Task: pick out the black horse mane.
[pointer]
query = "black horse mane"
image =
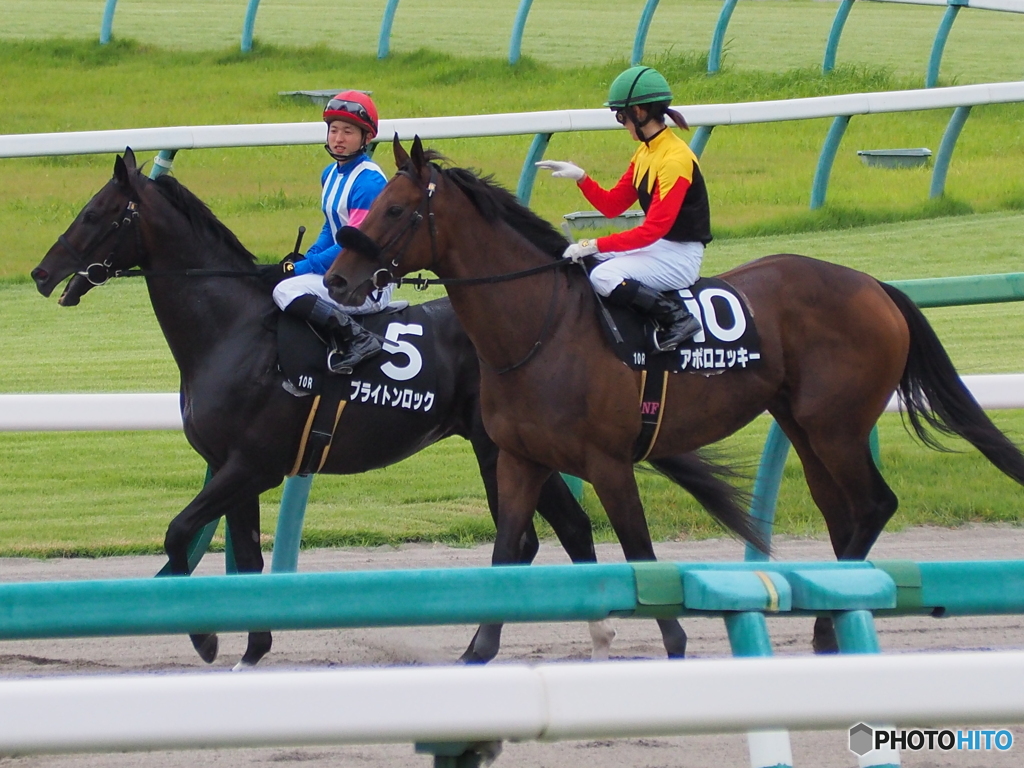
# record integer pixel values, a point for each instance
(495, 203)
(199, 215)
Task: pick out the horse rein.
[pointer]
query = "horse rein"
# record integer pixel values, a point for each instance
(384, 276)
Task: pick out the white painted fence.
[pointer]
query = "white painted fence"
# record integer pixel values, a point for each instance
(549, 702)
(516, 123)
(105, 412)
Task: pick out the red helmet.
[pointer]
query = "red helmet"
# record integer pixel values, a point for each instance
(353, 107)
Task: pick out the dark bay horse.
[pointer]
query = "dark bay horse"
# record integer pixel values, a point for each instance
(236, 415)
(836, 344)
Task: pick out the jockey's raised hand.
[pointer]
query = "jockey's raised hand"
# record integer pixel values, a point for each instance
(562, 170)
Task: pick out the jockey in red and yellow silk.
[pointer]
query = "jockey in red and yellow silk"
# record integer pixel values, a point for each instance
(640, 267)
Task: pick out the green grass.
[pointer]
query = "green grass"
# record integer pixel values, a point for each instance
(177, 63)
(769, 35)
(759, 176)
(98, 494)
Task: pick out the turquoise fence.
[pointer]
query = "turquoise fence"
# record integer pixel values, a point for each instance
(952, 7)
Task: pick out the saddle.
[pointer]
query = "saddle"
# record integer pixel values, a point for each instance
(728, 340)
(402, 376)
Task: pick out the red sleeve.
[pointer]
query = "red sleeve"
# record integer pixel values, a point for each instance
(613, 201)
(661, 215)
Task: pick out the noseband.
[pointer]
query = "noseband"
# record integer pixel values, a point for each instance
(99, 272)
(385, 276)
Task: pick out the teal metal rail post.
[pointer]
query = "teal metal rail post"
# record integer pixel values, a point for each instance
(529, 173)
(718, 38)
(249, 26)
(832, 45)
(826, 159)
(642, 28)
(384, 40)
(945, 153)
(107, 25)
(939, 44)
(699, 140)
(515, 43)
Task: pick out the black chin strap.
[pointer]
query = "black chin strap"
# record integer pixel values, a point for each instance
(344, 158)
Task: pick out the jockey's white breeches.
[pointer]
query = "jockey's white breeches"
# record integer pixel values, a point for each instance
(290, 289)
(663, 265)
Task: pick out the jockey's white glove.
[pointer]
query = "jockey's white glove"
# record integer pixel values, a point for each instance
(576, 251)
(562, 170)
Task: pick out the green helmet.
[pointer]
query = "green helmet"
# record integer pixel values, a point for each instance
(638, 85)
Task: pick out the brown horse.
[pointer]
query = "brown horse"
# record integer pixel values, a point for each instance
(836, 344)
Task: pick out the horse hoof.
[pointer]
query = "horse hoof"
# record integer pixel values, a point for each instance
(243, 666)
(825, 645)
(472, 657)
(602, 633)
(258, 647)
(206, 647)
(824, 636)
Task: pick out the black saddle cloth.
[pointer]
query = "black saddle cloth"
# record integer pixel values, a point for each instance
(403, 375)
(728, 338)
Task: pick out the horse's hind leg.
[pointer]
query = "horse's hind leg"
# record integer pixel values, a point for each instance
(849, 490)
(615, 485)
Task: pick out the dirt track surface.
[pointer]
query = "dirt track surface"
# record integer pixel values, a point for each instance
(524, 642)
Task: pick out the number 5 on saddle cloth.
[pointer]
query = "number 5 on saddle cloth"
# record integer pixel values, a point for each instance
(403, 376)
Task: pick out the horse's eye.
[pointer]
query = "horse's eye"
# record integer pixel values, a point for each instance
(91, 217)
(394, 211)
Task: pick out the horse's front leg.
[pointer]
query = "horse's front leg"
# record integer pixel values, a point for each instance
(614, 483)
(220, 497)
(244, 524)
(519, 484)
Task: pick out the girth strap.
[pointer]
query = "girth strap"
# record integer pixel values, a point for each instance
(317, 435)
(652, 408)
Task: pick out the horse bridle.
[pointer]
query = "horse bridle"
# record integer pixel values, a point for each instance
(385, 276)
(99, 272)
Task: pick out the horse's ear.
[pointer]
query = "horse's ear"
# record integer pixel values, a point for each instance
(418, 158)
(129, 159)
(121, 172)
(401, 156)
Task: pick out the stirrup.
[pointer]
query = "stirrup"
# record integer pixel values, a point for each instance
(689, 328)
(342, 361)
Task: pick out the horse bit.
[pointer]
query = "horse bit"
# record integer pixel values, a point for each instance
(99, 272)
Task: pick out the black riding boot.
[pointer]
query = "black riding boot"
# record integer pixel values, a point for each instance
(351, 342)
(675, 322)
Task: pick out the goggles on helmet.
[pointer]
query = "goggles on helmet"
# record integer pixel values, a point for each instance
(350, 108)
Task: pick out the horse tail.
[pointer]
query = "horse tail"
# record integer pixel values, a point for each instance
(932, 393)
(726, 503)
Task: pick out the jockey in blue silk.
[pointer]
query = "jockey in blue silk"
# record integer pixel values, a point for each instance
(349, 185)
